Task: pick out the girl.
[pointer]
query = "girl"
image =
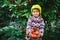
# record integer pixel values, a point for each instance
(35, 20)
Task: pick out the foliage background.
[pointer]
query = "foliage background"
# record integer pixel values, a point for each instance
(14, 15)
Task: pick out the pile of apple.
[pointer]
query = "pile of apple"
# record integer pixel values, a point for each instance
(35, 32)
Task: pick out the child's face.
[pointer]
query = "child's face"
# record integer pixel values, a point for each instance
(35, 12)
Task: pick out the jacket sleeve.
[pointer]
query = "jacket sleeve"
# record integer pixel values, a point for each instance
(28, 26)
(42, 27)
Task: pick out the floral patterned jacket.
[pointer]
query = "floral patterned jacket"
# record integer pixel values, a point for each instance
(36, 21)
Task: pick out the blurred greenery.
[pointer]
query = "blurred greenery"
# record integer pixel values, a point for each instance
(14, 15)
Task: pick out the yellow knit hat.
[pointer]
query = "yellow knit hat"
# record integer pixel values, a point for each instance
(36, 6)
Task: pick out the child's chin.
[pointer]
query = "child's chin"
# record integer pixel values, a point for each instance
(36, 16)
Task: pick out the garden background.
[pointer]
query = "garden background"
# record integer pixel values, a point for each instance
(14, 15)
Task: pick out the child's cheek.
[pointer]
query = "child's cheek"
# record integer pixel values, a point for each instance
(33, 14)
